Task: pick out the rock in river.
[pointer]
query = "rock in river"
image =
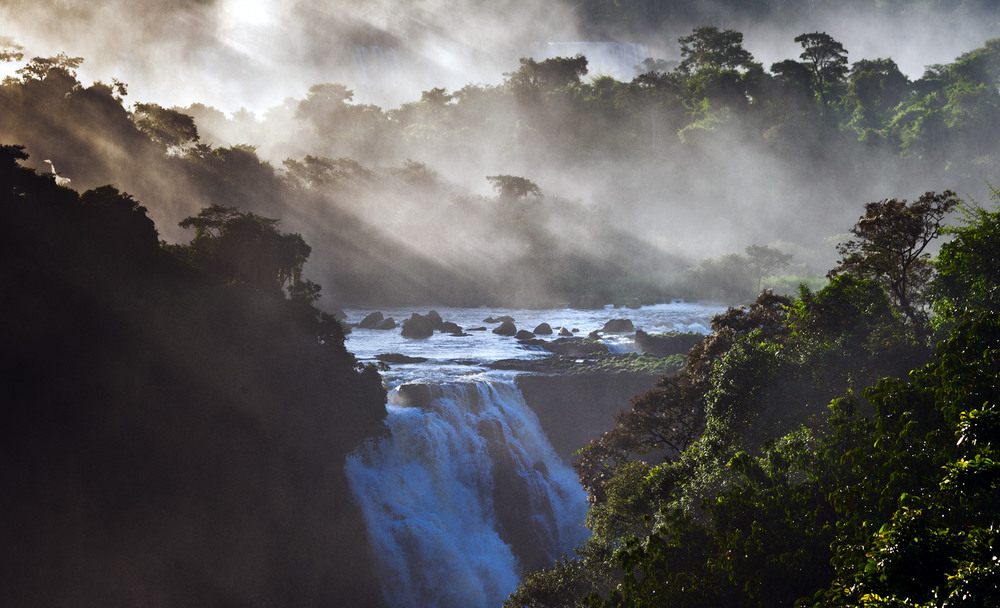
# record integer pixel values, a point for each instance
(618, 326)
(506, 328)
(418, 326)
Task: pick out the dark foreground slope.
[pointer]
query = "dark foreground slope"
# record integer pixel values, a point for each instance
(165, 440)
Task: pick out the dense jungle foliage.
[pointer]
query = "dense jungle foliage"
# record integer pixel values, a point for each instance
(174, 422)
(777, 155)
(833, 449)
(828, 447)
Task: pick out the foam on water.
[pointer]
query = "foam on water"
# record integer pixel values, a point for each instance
(467, 490)
(430, 497)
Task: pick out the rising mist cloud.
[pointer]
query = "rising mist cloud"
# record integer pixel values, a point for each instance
(255, 53)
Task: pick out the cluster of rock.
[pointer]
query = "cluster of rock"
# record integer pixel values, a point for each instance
(618, 326)
(417, 326)
(424, 326)
(376, 321)
(507, 328)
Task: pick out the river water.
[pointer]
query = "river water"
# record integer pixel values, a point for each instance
(467, 492)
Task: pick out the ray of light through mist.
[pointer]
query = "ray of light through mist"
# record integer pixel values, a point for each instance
(254, 53)
(216, 59)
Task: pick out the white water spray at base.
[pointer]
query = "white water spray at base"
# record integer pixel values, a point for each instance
(465, 492)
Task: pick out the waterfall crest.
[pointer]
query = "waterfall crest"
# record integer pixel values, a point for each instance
(465, 493)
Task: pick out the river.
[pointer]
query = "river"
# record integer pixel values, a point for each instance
(467, 491)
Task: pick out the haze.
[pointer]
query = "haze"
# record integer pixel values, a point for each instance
(649, 206)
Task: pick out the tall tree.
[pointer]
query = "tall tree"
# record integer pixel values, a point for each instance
(764, 260)
(167, 127)
(891, 247)
(709, 47)
(876, 87)
(244, 247)
(826, 59)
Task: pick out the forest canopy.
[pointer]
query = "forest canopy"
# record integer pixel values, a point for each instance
(617, 171)
(830, 443)
(831, 449)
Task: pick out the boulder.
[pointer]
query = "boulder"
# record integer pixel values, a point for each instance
(565, 333)
(524, 334)
(413, 395)
(435, 319)
(387, 324)
(417, 326)
(619, 326)
(506, 328)
(594, 335)
(371, 321)
(543, 329)
(397, 358)
(447, 327)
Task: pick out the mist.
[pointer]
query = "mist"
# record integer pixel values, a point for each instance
(183, 405)
(385, 172)
(233, 54)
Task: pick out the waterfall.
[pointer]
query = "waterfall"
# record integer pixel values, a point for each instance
(372, 64)
(620, 60)
(464, 494)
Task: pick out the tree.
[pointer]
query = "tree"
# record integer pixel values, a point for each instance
(891, 247)
(969, 264)
(764, 260)
(826, 59)
(239, 246)
(712, 48)
(169, 128)
(343, 128)
(326, 174)
(39, 68)
(10, 50)
(513, 188)
(662, 422)
(723, 278)
(549, 74)
(124, 220)
(794, 81)
(876, 87)
(436, 97)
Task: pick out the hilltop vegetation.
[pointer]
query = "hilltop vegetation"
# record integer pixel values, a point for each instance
(173, 432)
(602, 189)
(833, 449)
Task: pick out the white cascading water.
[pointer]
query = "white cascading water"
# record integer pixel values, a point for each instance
(620, 60)
(372, 64)
(465, 483)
